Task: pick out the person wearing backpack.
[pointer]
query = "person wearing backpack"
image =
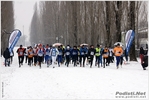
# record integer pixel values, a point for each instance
(6, 55)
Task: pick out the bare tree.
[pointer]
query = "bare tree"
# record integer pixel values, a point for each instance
(108, 23)
(7, 22)
(118, 14)
(75, 22)
(132, 26)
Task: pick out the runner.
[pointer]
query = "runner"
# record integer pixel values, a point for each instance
(21, 52)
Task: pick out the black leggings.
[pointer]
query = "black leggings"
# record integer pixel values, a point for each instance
(121, 60)
(67, 60)
(105, 62)
(75, 59)
(11, 59)
(30, 61)
(35, 59)
(21, 59)
(82, 57)
(91, 60)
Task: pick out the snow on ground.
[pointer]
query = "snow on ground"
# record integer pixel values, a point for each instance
(72, 82)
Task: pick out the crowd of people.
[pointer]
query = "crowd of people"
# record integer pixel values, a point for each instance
(76, 55)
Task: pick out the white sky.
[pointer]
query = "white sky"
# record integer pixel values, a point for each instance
(23, 12)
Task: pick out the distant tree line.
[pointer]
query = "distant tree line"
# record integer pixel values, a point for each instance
(76, 22)
(92, 22)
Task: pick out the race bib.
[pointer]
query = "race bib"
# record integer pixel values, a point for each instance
(82, 53)
(74, 53)
(47, 53)
(31, 53)
(60, 53)
(92, 53)
(67, 53)
(21, 53)
(53, 53)
(40, 54)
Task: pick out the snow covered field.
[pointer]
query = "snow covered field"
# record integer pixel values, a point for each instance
(73, 82)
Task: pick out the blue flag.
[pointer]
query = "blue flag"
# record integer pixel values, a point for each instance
(128, 40)
(13, 39)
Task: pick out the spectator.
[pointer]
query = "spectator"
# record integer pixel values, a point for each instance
(145, 62)
(6, 55)
(141, 54)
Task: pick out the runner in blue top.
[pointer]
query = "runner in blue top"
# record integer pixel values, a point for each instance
(74, 53)
(47, 55)
(60, 55)
(83, 51)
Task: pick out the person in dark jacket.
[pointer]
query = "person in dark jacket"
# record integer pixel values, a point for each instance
(83, 51)
(91, 53)
(6, 55)
(141, 54)
(74, 54)
(60, 55)
(145, 62)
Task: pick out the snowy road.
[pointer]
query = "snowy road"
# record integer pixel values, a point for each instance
(72, 82)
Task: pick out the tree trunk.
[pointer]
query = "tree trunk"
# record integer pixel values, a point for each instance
(118, 14)
(7, 23)
(107, 23)
(132, 26)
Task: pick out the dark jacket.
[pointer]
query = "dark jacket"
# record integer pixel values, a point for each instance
(141, 50)
(6, 53)
(91, 52)
(74, 52)
(145, 61)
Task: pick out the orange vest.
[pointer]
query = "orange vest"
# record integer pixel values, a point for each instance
(118, 51)
(106, 54)
(30, 53)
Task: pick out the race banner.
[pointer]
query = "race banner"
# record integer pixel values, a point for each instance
(128, 40)
(13, 39)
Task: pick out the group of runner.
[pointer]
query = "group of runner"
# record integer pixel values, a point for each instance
(78, 55)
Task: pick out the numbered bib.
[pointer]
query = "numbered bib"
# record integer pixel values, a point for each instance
(67, 53)
(92, 53)
(74, 53)
(21, 53)
(82, 53)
